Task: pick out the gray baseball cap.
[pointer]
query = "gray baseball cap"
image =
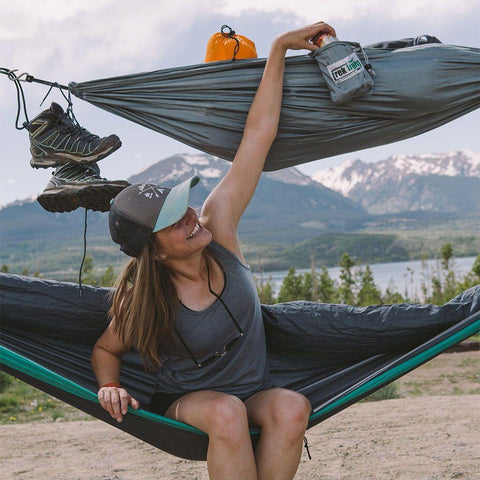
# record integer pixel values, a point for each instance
(142, 209)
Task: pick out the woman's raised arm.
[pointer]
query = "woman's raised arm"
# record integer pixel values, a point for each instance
(224, 207)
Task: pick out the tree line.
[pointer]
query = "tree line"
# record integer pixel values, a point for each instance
(90, 274)
(356, 284)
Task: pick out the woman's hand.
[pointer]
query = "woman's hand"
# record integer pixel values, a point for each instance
(116, 401)
(300, 39)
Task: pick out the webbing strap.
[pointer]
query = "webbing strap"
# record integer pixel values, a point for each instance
(26, 77)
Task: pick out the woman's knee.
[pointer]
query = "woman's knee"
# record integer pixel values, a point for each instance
(290, 411)
(226, 416)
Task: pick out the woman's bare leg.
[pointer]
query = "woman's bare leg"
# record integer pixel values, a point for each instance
(224, 418)
(283, 416)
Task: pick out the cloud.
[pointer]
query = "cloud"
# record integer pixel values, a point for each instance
(348, 10)
(71, 38)
(83, 39)
(371, 21)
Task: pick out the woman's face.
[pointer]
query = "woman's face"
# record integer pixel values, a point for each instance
(184, 237)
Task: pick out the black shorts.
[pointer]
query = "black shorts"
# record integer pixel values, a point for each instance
(161, 402)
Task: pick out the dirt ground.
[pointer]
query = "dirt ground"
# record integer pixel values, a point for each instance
(433, 433)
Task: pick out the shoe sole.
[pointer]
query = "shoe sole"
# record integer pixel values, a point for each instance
(68, 198)
(52, 160)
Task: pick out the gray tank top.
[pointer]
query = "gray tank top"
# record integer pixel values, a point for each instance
(242, 370)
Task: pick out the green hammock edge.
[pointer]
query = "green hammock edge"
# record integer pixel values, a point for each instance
(399, 370)
(29, 367)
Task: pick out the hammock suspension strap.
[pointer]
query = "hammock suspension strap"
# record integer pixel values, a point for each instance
(21, 102)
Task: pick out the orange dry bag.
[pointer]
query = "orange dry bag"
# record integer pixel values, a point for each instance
(229, 46)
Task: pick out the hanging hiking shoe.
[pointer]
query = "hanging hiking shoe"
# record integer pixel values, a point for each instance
(56, 139)
(73, 186)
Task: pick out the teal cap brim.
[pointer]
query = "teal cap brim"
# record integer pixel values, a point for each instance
(175, 205)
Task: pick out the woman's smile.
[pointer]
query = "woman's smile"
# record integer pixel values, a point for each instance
(196, 230)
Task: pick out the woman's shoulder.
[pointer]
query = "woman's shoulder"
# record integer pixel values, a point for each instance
(225, 255)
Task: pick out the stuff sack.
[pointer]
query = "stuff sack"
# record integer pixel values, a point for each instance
(229, 46)
(343, 71)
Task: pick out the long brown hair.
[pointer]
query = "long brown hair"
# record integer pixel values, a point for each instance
(145, 304)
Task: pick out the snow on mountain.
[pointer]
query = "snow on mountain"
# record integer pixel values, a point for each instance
(209, 168)
(290, 175)
(180, 167)
(196, 159)
(345, 177)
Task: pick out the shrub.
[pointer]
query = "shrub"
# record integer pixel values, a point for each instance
(8, 404)
(5, 381)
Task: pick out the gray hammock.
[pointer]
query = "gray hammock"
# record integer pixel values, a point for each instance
(333, 354)
(416, 89)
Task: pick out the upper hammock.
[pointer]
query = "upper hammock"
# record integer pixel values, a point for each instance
(333, 354)
(205, 106)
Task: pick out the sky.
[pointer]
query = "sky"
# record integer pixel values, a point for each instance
(85, 40)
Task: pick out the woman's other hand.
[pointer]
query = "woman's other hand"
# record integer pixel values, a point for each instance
(300, 38)
(116, 401)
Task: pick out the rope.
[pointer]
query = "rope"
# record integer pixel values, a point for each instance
(368, 66)
(307, 447)
(231, 34)
(30, 78)
(84, 253)
(68, 99)
(26, 77)
(20, 95)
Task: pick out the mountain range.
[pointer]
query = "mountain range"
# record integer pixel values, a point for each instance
(446, 183)
(290, 210)
(288, 206)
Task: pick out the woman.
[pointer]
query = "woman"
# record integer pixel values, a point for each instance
(187, 302)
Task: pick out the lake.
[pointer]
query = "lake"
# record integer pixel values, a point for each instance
(403, 277)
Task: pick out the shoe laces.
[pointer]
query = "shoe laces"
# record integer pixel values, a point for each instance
(92, 171)
(75, 172)
(67, 125)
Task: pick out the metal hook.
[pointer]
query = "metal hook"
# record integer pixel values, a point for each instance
(19, 77)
